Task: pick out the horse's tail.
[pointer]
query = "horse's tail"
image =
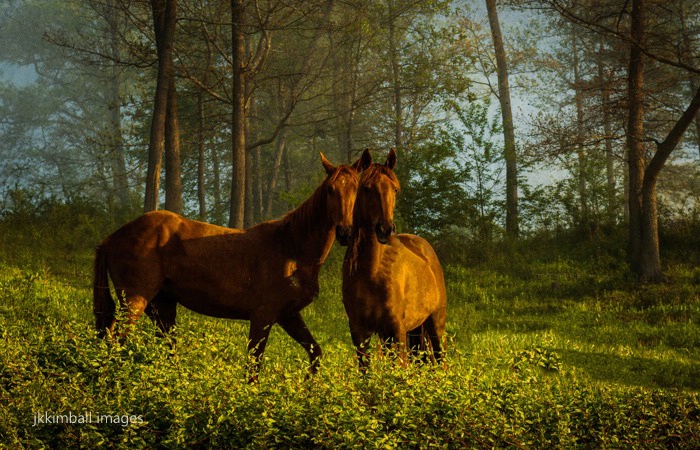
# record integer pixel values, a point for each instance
(102, 302)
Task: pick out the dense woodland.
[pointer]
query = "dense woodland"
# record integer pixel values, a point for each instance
(549, 150)
(511, 119)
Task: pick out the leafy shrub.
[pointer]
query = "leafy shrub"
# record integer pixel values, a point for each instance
(542, 352)
(194, 393)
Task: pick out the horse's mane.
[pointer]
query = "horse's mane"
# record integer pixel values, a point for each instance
(305, 219)
(374, 171)
(369, 176)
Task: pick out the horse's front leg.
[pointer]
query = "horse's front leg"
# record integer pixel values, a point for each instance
(257, 340)
(360, 338)
(296, 328)
(400, 344)
(403, 353)
(162, 310)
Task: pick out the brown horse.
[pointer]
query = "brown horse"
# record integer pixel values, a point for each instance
(392, 285)
(265, 274)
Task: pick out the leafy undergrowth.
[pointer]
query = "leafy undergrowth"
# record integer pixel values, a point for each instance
(587, 362)
(556, 350)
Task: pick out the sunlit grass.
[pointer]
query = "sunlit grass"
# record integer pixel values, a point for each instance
(551, 353)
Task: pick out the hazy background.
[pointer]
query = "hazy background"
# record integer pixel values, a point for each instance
(78, 83)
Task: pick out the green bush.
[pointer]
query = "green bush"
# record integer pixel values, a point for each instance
(542, 352)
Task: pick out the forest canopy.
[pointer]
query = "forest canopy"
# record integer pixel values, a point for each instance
(229, 103)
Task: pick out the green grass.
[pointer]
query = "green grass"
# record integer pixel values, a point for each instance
(543, 352)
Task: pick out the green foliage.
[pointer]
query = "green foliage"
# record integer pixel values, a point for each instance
(452, 182)
(545, 350)
(45, 234)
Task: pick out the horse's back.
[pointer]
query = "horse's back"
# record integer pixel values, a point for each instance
(137, 252)
(156, 229)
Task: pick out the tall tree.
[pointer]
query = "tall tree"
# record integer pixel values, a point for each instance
(164, 21)
(657, 51)
(121, 183)
(173, 181)
(580, 152)
(395, 76)
(238, 149)
(508, 126)
(635, 134)
(604, 87)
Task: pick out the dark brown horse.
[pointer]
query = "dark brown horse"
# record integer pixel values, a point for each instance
(393, 285)
(265, 274)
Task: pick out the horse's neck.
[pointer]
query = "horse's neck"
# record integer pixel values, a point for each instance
(369, 252)
(313, 248)
(310, 234)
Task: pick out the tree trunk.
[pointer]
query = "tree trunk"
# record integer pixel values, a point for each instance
(607, 132)
(272, 185)
(238, 150)
(280, 148)
(121, 182)
(512, 227)
(287, 171)
(353, 67)
(201, 157)
(164, 27)
(219, 206)
(584, 220)
(201, 136)
(644, 232)
(173, 179)
(251, 136)
(635, 130)
(258, 187)
(650, 267)
(396, 78)
(248, 220)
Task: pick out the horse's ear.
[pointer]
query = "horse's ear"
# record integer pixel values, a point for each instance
(327, 164)
(364, 162)
(391, 159)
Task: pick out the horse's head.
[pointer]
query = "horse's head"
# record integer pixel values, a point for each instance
(376, 198)
(341, 190)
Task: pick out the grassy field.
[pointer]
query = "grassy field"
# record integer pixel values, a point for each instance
(545, 350)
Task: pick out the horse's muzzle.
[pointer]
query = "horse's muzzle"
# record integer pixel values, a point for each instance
(384, 230)
(342, 234)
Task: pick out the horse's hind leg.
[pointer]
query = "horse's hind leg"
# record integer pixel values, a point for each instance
(417, 343)
(435, 328)
(400, 340)
(133, 306)
(296, 328)
(360, 338)
(395, 339)
(257, 340)
(162, 311)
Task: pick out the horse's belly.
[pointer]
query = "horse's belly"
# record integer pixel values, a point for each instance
(216, 304)
(243, 298)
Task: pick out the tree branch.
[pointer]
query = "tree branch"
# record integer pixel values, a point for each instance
(665, 148)
(577, 19)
